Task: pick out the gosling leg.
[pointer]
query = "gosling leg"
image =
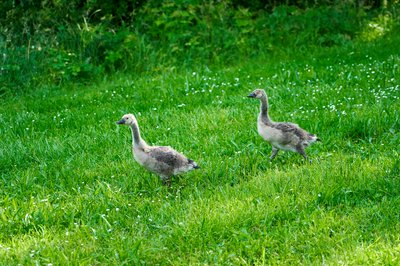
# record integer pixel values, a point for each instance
(166, 180)
(302, 152)
(274, 153)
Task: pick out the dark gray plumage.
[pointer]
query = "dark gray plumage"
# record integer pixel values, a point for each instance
(281, 135)
(161, 160)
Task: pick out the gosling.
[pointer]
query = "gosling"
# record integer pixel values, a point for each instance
(161, 160)
(281, 135)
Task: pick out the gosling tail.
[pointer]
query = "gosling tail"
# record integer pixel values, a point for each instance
(313, 138)
(193, 164)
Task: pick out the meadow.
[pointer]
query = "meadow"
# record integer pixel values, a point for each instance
(71, 193)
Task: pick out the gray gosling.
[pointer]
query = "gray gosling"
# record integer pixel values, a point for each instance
(161, 160)
(281, 135)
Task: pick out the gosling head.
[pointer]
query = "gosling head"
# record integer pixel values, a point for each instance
(128, 119)
(258, 93)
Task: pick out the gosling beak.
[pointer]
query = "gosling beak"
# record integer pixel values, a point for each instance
(252, 95)
(121, 122)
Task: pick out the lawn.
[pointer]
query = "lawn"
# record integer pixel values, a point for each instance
(71, 192)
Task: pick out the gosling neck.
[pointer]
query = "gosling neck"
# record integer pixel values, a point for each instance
(136, 139)
(264, 110)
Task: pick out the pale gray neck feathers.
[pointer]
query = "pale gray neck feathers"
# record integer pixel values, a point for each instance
(264, 110)
(136, 139)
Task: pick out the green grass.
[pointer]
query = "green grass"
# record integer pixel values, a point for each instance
(72, 194)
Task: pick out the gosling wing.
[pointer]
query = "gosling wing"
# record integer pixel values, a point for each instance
(292, 129)
(168, 156)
